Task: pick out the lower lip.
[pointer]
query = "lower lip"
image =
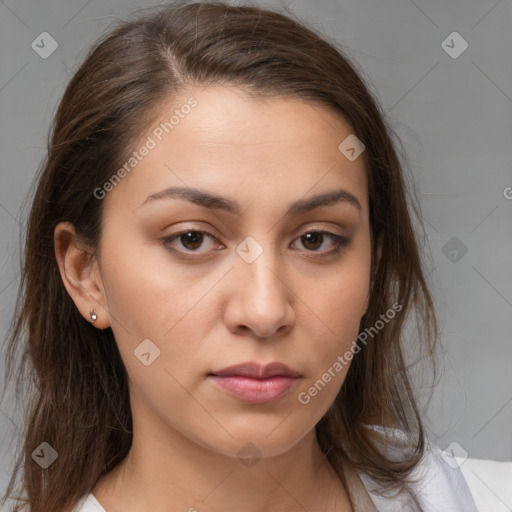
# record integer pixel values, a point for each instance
(256, 391)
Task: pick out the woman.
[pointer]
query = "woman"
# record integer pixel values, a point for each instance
(220, 263)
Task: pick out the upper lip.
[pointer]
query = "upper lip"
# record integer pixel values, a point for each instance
(256, 370)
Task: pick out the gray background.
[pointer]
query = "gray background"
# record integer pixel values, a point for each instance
(453, 115)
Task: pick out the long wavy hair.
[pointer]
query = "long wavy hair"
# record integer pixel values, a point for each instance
(69, 375)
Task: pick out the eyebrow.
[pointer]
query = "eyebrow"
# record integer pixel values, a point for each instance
(215, 202)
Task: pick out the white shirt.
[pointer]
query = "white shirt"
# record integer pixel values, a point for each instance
(439, 487)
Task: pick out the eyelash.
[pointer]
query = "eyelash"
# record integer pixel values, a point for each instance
(340, 242)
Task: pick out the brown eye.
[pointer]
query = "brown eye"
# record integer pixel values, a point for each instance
(191, 240)
(313, 240)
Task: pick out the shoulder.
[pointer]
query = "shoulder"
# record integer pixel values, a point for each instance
(88, 504)
(438, 484)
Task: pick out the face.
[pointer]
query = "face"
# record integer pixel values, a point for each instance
(242, 267)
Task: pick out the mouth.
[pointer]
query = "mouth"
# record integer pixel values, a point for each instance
(257, 371)
(254, 383)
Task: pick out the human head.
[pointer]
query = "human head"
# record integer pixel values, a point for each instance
(114, 98)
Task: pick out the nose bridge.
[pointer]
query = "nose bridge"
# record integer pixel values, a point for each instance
(260, 266)
(261, 288)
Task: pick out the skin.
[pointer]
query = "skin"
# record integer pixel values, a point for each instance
(216, 310)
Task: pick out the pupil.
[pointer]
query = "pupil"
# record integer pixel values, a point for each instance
(192, 237)
(312, 237)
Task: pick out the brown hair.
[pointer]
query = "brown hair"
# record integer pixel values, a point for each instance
(77, 385)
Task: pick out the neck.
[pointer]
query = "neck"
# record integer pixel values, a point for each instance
(166, 471)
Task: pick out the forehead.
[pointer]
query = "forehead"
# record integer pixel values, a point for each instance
(221, 139)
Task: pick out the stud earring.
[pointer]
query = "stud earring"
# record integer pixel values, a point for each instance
(93, 316)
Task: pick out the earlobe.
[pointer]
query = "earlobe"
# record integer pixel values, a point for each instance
(80, 275)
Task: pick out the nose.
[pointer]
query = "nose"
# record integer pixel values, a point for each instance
(261, 298)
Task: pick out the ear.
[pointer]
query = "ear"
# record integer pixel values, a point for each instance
(80, 274)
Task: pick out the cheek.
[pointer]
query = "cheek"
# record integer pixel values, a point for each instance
(334, 332)
(149, 299)
(340, 299)
(332, 320)
(141, 287)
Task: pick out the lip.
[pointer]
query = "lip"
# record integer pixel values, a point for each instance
(257, 371)
(254, 383)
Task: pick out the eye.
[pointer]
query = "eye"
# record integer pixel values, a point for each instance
(190, 239)
(314, 239)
